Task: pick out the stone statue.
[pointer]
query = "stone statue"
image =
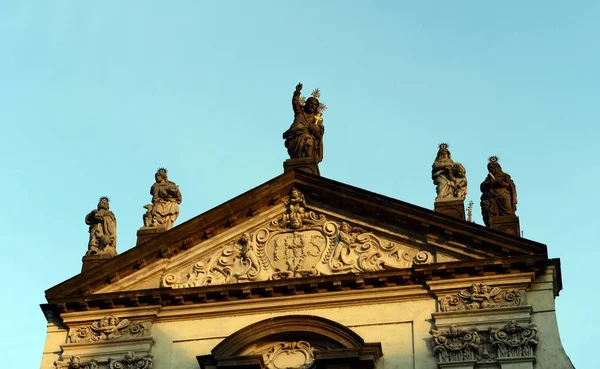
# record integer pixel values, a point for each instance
(166, 198)
(304, 138)
(449, 177)
(498, 193)
(103, 230)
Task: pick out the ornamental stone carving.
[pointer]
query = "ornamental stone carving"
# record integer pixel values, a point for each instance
(481, 296)
(514, 340)
(498, 193)
(103, 230)
(76, 363)
(284, 355)
(131, 361)
(299, 243)
(304, 138)
(456, 344)
(108, 328)
(449, 177)
(166, 197)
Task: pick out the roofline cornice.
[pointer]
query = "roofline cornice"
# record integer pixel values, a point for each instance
(386, 210)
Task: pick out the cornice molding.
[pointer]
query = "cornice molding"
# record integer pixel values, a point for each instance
(245, 298)
(325, 193)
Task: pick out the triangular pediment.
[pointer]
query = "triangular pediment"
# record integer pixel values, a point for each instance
(295, 226)
(291, 241)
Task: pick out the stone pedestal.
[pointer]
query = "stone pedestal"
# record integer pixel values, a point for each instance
(93, 260)
(453, 207)
(146, 233)
(308, 165)
(507, 224)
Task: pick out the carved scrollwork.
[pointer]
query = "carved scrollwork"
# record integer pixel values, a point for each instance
(481, 296)
(514, 340)
(131, 361)
(299, 243)
(76, 363)
(236, 262)
(108, 328)
(456, 344)
(285, 355)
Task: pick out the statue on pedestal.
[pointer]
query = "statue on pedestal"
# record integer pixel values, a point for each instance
(498, 193)
(166, 198)
(304, 138)
(449, 177)
(103, 230)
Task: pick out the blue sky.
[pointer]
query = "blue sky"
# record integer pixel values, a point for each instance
(94, 96)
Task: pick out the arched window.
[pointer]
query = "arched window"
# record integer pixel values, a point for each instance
(293, 341)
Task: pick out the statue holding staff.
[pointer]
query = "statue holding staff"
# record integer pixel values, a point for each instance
(304, 138)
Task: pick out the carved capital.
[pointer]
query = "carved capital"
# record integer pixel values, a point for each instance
(455, 344)
(481, 296)
(514, 340)
(131, 361)
(76, 363)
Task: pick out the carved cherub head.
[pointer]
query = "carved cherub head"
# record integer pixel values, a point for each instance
(107, 321)
(484, 288)
(512, 326)
(129, 357)
(296, 221)
(345, 227)
(74, 362)
(245, 239)
(453, 331)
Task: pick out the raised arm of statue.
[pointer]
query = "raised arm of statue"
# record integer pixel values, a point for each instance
(296, 103)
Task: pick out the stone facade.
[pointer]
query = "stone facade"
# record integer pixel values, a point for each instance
(303, 272)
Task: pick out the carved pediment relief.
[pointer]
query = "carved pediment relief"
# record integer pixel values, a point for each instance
(284, 355)
(108, 328)
(299, 243)
(481, 296)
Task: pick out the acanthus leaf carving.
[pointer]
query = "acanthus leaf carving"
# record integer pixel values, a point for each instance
(481, 296)
(455, 344)
(514, 340)
(76, 363)
(300, 243)
(108, 328)
(131, 361)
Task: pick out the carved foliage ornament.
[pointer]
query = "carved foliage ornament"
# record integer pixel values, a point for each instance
(299, 243)
(514, 340)
(481, 296)
(108, 328)
(76, 363)
(284, 355)
(131, 361)
(455, 344)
